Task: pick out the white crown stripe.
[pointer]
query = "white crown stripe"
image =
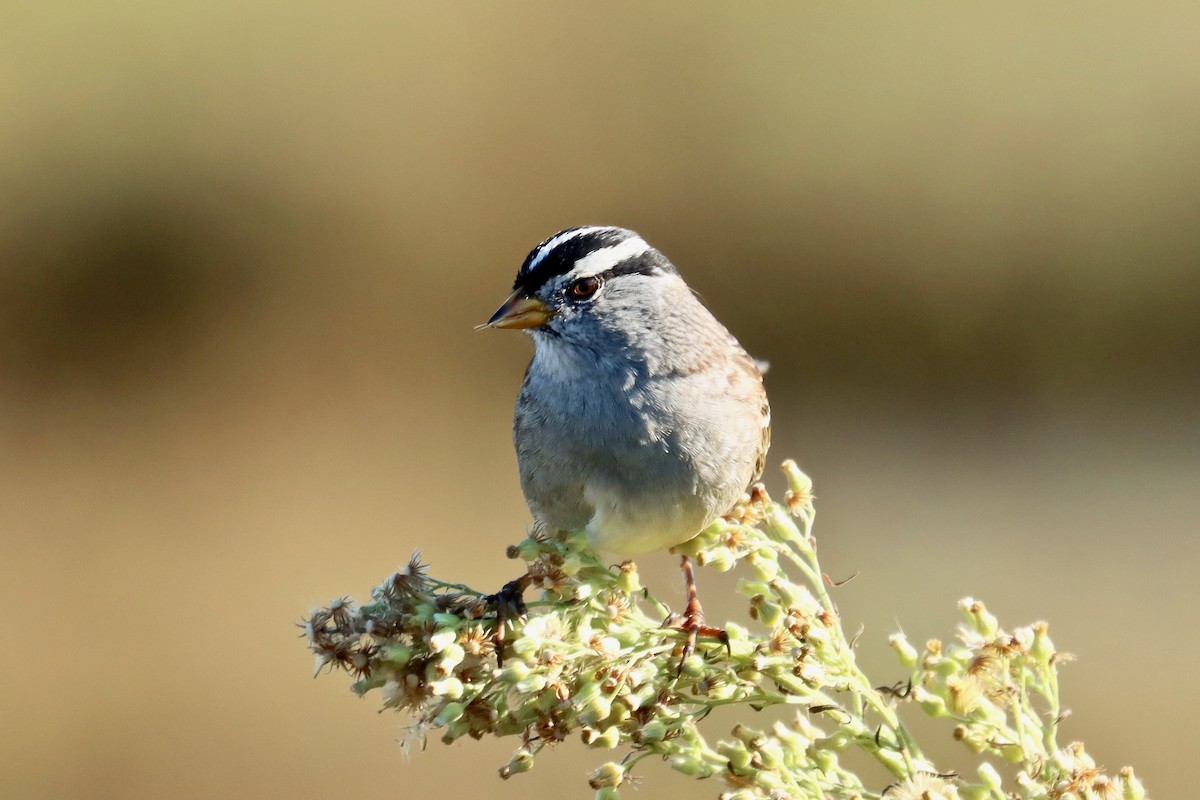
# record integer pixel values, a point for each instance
(566, 236)
(608, 257)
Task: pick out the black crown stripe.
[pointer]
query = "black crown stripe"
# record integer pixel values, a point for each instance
(562, 258)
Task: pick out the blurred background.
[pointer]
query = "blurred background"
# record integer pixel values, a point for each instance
(243, 246)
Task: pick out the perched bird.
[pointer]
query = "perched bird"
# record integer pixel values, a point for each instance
(641, 419)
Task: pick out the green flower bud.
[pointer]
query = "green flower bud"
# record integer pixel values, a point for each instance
(768, 780)
(791, 738)
(1023, 636)
(439, 640)
(772, 754)
(526, 646)
(452, 655)
(718, 558)
(444, 620)
(421, 614)
(645, 672)
(972, 736)
(449, 713)
(991, 778)
(825, 759)
(652, 731)
(749, 588)
(799, 484)
(751, 737)
(397, 655)
(628, 580)
(620, 713)
(930, 703)
(609, 646)
(722, 690)
(572, 564)
(645, 696)
(766, 611)
(942, 667)
(521, 761)
(966, 694)
(979, 738)
(1009, 751)
(532, 684)
(817, 637)
(626, 635)
(451, 688)
(577, 542)
(1131, 787)
(528, 550)
(751, 675)
(904, 649)
(793, 596)
(1031, 787)
(765, 568)
(782, 526)
(513, 671)
(980, 618)
(691, 766)
(692, 548)
(1042, 648)
(610, 774)
(836, 741)
(361, 687)
(1073, 758)
(693, 667)
(455, 731)
(737, 633)
(609, 738)
(596, 710)
(738, 755)
(589, 690)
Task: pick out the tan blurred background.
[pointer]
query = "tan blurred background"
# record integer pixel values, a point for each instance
(243, 245)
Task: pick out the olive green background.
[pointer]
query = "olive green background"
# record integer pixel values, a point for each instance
(243, 246)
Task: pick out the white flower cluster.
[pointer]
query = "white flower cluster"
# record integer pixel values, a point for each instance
(593, 659)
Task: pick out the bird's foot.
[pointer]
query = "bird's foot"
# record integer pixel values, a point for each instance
(691, 621)
(510, 605)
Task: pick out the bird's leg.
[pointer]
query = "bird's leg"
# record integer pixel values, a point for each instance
(693, 618)
(510, 604)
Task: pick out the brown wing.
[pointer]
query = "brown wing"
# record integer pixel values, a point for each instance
(746, 382)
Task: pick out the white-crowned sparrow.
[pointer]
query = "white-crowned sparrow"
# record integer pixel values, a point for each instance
(641, 419)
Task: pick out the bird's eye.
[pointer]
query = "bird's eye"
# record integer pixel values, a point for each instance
(583, 288)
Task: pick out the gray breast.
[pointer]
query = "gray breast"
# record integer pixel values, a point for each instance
(652, 442)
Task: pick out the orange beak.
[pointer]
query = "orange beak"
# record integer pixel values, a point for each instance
(520, 311)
